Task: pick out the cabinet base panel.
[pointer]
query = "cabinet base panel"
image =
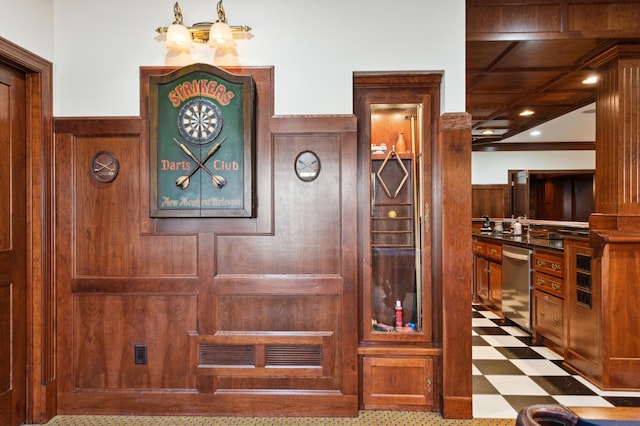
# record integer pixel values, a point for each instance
(492, 308)
(398, 383)
(385, 407)
(457, 408)
(619, 375)
(584, 367)
(540, 339)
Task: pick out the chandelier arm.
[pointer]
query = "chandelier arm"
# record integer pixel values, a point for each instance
(177, 14)
(222, 17)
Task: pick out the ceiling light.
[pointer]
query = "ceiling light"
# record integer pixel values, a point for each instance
(590, 80)
(536, 133)
(487, 132)
(217, 34)
(526, 113)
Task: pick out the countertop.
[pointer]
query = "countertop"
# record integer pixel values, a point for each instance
(560, 230)
(521, 240)
(555, 224)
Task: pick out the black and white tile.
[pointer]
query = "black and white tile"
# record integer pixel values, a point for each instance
(510, 373)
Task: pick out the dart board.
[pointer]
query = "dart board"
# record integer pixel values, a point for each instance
(200, 121)
(201, 143)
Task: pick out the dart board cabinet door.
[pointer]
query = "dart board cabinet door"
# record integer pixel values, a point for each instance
(202, 143)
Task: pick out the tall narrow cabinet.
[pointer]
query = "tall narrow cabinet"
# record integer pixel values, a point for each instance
(399, 350)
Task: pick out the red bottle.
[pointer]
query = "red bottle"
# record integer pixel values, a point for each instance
(398, 314)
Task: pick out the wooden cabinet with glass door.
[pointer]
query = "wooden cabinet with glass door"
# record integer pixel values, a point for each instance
(398, 357)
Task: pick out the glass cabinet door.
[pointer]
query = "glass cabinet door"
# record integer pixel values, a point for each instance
(396, 293)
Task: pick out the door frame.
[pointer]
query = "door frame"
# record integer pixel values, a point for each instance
(41, 401)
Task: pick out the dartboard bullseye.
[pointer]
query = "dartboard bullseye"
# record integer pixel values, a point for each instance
(200, 121)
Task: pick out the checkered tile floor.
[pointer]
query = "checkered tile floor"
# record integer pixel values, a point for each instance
(510, 373)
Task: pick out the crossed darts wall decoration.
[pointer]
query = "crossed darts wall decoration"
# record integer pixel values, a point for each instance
(183, 181)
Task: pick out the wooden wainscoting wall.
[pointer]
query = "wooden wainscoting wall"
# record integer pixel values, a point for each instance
(238, 316)
(492, 200)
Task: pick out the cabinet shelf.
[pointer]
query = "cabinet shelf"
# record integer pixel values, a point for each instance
(394, 204)
(393, 246)
(392, 218)
(402, 155)
(408, 231)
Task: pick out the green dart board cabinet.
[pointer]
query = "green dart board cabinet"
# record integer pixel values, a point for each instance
(202, 143)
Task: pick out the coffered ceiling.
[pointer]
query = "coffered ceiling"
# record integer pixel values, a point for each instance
(506, 78)
(534, 55)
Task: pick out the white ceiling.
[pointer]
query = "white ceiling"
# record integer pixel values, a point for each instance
(577, 126)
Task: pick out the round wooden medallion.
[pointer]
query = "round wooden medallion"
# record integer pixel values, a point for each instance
(307, 166)
(104, 166)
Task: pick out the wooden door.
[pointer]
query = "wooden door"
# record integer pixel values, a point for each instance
(396, 221)
(495, 285)
(482, 279)
(519, 181)
(12, 247)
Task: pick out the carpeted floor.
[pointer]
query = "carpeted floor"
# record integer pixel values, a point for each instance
(374, 418)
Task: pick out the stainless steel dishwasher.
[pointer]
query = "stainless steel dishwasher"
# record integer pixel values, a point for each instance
(516, 285)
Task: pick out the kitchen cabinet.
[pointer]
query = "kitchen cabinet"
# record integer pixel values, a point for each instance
(480, 272)
(487, 274)
(584, 311)
(602, 304)
(397, 381)
(548, 299)
(481, 279)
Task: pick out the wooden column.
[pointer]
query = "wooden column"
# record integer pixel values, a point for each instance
(614, 229)
(618, 130)
(454, 190)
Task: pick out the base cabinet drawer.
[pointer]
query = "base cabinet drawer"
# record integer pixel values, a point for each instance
(494, 252)
(479, 247)
(548, 263)
(548, 316)
(389, 382)
(548, 283)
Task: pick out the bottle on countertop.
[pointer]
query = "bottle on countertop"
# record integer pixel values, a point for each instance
(498, 227)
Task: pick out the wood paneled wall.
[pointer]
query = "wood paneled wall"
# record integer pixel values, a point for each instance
(245, 315)
(116, 286)
(492, 200)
